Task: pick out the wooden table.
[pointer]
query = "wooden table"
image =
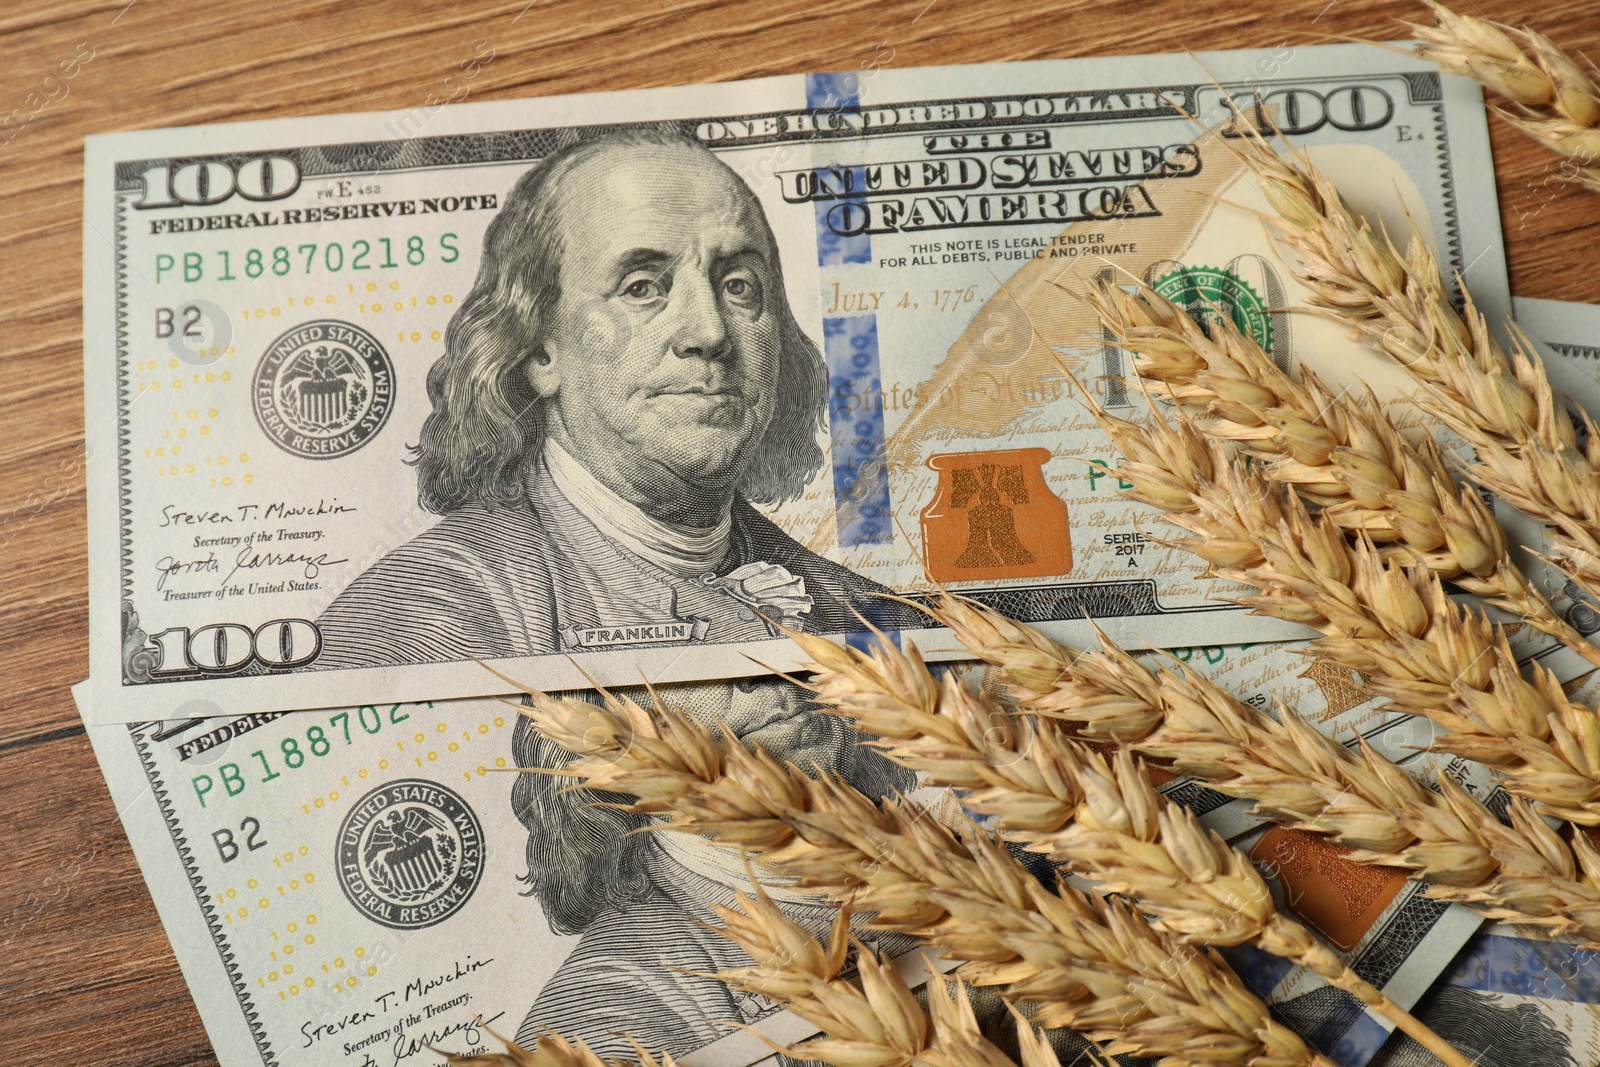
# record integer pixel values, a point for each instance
(88, 976)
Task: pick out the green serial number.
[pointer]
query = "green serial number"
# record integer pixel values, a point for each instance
(386, 253)
(368, 719)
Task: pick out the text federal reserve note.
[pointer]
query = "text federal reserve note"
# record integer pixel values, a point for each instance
(620, 383)
(352, 886)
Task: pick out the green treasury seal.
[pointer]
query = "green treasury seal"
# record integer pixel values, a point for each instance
(323, 389)
(1206, 292)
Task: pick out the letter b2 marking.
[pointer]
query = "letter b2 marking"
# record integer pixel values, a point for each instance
(228, 848)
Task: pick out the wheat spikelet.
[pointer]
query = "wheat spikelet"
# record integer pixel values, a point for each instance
(873, 1022)
(1395, 627)
(1500, 403)
(1105, 822)
(1556, 101)
(1084, 962)
(1341, 453)
(1299, 777)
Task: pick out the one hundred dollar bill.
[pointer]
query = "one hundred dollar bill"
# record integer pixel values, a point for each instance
(354, 886)
(614, 386)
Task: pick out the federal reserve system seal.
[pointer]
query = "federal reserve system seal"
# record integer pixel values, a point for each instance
(323, 389)
(410, 854)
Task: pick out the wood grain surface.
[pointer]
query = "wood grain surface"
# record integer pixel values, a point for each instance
(88, 978)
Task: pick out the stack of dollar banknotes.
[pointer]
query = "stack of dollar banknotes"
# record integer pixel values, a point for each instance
(463, 476)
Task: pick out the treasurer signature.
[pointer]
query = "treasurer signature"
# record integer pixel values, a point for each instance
(248, 559)
(421, 1040)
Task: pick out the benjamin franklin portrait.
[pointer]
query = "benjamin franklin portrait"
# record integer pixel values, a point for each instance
(621, 388)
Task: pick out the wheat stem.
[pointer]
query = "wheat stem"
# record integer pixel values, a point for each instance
(1556, 100)
(1103, 821)
(1084, 961)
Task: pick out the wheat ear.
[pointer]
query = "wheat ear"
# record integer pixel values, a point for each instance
(874, 1021)
(1395, 627)
(1103, 821)
(1500, 403)
(1525, 873)
(550, 1050)
(1086, 962)
(1556, 100)
(1337, 451)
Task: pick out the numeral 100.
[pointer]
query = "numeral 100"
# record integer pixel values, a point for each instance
(213, 181)
(228, 647)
